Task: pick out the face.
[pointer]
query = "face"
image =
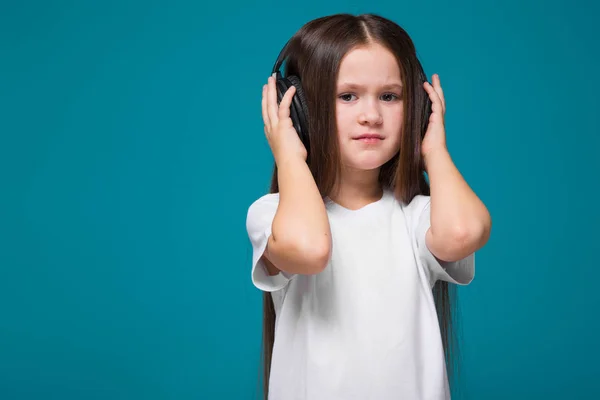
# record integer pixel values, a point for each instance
(369, 107)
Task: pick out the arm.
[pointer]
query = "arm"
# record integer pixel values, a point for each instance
(460, 222)
(300, 242)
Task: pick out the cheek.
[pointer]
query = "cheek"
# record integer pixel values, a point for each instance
(395, 115)
(395, 121)
(344, 125)
(342, 117)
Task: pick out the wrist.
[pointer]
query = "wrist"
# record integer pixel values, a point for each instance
(289, 159)
(434, 154)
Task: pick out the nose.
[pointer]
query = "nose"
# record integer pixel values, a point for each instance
(370, 114)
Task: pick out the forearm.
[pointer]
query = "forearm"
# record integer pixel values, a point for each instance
(460, 222)
(301, 219)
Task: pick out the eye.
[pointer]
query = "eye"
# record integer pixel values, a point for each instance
(390, 97)
(346, 96)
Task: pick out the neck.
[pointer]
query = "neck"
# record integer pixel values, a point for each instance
(357, 188)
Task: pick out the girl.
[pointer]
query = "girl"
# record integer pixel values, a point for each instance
(353, 249)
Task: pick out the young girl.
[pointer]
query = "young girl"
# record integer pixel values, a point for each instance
(353, 248)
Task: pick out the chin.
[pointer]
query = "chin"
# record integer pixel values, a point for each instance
(367, 162)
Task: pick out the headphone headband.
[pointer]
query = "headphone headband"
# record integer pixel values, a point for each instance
(280, 59)
(298, 107)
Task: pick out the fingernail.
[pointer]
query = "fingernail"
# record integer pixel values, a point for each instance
(274, 74)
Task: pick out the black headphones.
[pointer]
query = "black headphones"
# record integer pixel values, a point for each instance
(298, 107)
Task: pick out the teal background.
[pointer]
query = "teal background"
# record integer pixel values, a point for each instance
(132, 146)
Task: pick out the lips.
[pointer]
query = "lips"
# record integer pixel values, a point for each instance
(373, 136)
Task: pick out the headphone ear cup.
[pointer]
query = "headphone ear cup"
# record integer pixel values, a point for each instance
(298, 107)
(301, 107)
(299, 94)
(426, 111)
(282, 85)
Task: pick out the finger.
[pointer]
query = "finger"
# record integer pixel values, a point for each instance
(436, 102)
(437, 85)
(272, 106)
(286, 101)
(265, 114)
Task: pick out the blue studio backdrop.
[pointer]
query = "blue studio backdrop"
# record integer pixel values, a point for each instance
(132, 145)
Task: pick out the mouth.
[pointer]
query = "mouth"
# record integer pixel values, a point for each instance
(369, 138)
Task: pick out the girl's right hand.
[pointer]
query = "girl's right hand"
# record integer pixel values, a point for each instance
(279, 129)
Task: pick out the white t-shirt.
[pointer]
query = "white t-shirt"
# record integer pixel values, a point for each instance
(366, 327)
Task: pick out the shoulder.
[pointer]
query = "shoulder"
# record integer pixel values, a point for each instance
(416, 206)
(262, 211)
(268, 200)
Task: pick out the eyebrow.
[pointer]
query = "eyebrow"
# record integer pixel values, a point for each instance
(351, 85)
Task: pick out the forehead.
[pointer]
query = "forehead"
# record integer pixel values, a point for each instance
(372, 64)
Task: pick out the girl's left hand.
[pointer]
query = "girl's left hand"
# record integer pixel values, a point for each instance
(435, 136)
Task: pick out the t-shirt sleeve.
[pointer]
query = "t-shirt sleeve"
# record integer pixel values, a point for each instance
(460, 272)
(258, 225)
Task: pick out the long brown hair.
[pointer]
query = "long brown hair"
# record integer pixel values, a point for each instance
(314, 54)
